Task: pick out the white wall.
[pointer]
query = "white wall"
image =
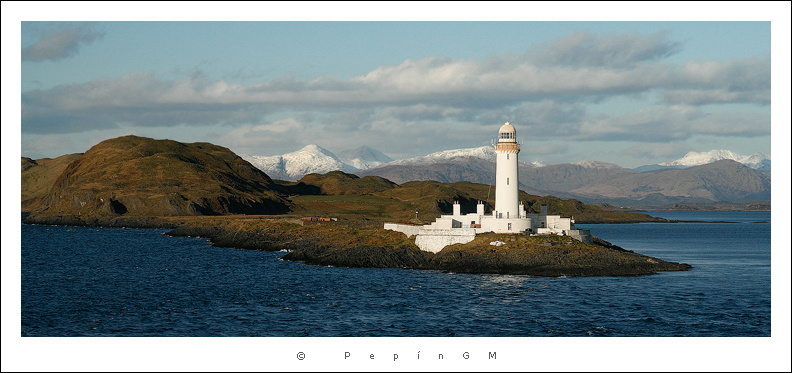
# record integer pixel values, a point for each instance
(409, 230)
(490, 224)
(434, 240)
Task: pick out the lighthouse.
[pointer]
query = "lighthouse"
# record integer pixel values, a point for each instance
(509, 216)
(506, 178)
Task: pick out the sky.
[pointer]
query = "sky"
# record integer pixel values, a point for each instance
(625, 83)
(629, 93)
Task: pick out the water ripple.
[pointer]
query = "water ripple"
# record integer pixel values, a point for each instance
(138, 282)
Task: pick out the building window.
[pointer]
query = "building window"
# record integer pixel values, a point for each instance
(509, 227)
(507, 156)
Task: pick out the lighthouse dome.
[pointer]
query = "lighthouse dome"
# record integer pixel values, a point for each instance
(507, 133)
(507, 128)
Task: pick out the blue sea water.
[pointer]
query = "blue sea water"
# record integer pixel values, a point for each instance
(79, 281)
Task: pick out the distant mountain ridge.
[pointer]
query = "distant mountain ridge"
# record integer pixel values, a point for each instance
(590, 181)
(723, 180)
(363, 157)
(759, 161)
(697, 159)
(293, 166)
(486, 153)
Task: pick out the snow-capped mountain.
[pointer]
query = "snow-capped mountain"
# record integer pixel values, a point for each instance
(295, 165)
(315, 159)
(759, 161)
(596, 164)
(486, 153)
(727, 176)
(363, 157)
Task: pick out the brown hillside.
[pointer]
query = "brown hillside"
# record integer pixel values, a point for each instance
(431, 199)
(39, 175)
(142, 176)
(339, 183)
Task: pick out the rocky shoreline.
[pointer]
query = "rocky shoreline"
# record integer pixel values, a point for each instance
(341, 245)
(101, 221)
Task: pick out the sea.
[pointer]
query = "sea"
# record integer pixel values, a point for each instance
(118, 282)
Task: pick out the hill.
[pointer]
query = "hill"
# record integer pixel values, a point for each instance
(724, 180)
(473, 169)
(534, 178)
(759, 161)
(136, 176)
(363, 157)
(146, 177)
(374, 198)
(565, 177)
(598, 182)
(341, 183)
(39, 175)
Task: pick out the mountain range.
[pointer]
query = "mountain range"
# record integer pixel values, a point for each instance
(162, 177)
(137, 181)
(313, 159)
(729, 176)
(759, 161)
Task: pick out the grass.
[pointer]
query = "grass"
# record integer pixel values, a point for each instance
(147, 177)
(351, 206)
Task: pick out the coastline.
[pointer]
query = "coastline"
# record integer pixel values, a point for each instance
(342, 244)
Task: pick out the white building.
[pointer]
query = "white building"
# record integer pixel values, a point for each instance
(509, 215)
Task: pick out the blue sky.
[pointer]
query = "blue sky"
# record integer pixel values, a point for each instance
(629, 93)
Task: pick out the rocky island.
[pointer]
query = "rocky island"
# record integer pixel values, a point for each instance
(205, 190)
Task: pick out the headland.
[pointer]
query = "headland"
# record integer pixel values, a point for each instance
(333, 219)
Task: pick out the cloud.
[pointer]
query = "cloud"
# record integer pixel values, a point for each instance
(550, 118)
(264, 135)
(62, 43)
(671, 123)
(620, 51)
(656, 151)
(547, 87)
(709, 82)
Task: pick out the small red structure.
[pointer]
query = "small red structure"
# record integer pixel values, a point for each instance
(315, 218)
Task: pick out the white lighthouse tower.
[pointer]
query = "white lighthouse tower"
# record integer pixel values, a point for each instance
(506, 179)
(509, 216)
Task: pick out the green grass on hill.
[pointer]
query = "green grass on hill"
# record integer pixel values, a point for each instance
(372, 199)
(137, 176)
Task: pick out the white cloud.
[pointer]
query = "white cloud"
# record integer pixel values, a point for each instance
(657, 150)
(545, 90)
(716, 96)
(672, 123)
(264, 135)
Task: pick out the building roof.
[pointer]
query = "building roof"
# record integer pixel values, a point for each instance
(507, 128)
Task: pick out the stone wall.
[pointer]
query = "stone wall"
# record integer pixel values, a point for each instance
(409, 230)
(434, 240)
(582, 235)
